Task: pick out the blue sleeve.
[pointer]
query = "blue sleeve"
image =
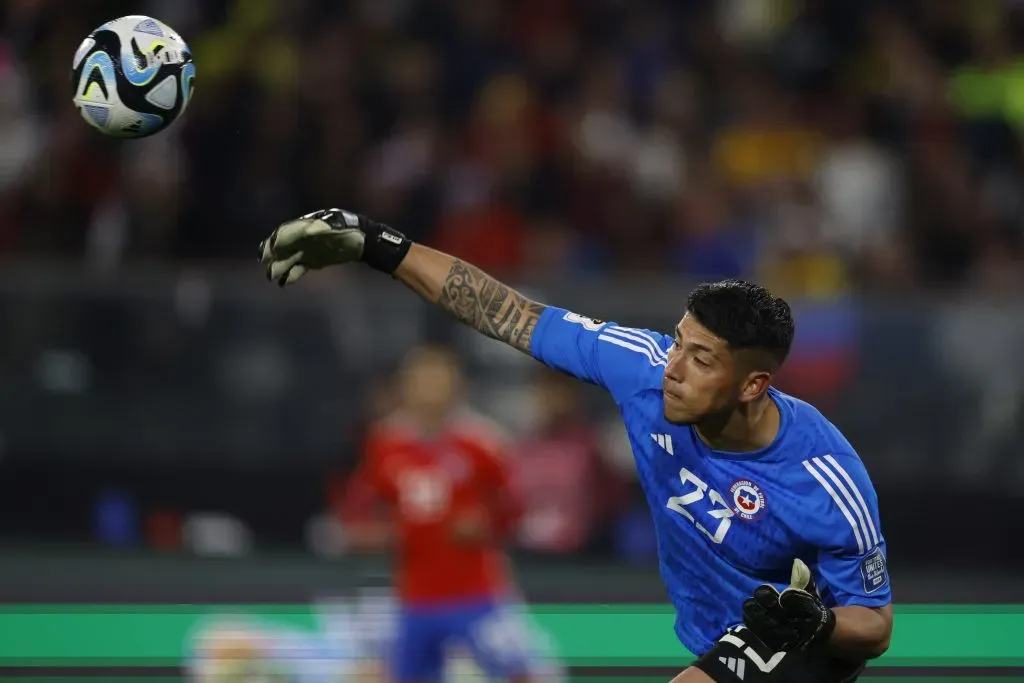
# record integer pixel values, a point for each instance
(843, 525)
(619, 359)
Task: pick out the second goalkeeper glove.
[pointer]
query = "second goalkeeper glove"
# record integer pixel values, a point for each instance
(329, 237)
(793, 619)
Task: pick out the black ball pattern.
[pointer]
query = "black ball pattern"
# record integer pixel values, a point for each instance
(105, 69)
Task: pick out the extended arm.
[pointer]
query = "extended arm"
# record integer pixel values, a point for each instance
(618, 359)
(861, 632)
(334, 236)
(471, 296)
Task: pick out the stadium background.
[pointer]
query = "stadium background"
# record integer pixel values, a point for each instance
(173, 430)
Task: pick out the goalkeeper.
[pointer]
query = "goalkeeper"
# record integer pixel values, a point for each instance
(740, 477)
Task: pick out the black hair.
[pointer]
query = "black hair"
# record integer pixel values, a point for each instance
(745, 315)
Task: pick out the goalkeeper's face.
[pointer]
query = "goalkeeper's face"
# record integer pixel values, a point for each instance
(704, 379)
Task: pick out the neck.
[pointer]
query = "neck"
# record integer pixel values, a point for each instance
(750, 427)
(431, 423)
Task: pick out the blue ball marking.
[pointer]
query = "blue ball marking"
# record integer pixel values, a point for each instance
(188, 74)
(135, 75)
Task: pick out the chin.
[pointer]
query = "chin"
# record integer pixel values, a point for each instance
(679, 420)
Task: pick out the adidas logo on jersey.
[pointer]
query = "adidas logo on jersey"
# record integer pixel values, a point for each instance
(737, 666)
(665, 441)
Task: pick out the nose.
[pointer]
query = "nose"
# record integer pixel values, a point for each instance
(675, 368)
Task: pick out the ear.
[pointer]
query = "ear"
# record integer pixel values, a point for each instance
(755, 385)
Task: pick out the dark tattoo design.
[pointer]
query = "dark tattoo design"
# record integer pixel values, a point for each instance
(488, 306)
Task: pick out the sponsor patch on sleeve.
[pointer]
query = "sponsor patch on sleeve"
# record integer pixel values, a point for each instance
(592, 324)
(873, 571)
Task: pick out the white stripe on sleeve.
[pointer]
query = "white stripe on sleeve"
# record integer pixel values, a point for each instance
(839, 501)
(860, 499)
(639, 337)
(643, 350)
(841, 487)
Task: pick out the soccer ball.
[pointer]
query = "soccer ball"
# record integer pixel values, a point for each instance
(132, 77)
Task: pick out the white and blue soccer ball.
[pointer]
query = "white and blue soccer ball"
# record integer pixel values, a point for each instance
(133, 77)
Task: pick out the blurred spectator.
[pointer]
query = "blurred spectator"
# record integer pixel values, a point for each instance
(862, 192)
(713, 241)
(441, 443)
(21, 139)
(767, 141)
(980, 346)
(570, 494)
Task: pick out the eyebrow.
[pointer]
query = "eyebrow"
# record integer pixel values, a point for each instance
(695, 345)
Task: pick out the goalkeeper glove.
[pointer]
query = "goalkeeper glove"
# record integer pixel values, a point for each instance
(329, 237)
(793, 619)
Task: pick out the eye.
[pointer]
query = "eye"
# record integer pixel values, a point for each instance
(700, 362)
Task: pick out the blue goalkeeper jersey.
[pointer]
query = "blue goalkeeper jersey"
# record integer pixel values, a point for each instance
(728, 522)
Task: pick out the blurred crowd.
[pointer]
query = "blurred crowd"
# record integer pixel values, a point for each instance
(815, 144)
(819, 146)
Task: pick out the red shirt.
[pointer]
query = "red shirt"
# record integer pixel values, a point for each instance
(428, 485)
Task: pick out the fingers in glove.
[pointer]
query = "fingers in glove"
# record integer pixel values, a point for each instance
(799, 602)
(278, 270)
(293, 274)
(289, 235)
(267, 249)
(774, 633)
(767, 596)
(754, 612)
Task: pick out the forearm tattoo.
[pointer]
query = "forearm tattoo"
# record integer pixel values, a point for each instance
(488, 306)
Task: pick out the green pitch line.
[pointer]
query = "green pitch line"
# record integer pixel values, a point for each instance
(588, 635)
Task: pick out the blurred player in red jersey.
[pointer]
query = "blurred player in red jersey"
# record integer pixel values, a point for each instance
(438, 471)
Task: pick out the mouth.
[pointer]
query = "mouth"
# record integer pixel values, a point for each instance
(671, 395)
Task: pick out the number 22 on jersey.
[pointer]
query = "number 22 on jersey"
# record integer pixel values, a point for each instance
(720, 512)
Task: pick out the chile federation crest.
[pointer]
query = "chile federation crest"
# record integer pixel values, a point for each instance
(748, 501)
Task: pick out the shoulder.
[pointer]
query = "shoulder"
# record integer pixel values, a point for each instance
(808, 433)
(821, 458)
(620, 359)
(823, 473)
(388, 438)
(820, 476)
(394, 428)
(647, 343)
(820, 461)
(638, 357)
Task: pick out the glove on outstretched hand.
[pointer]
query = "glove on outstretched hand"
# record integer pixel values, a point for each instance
(329, 237)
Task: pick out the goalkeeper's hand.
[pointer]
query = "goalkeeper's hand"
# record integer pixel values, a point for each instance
(793, 619)
(329, 237)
